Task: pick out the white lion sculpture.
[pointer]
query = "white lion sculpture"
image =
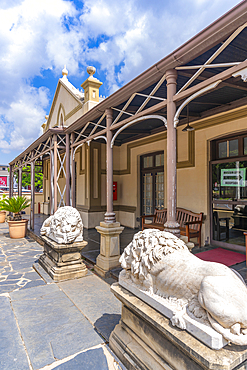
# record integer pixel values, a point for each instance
(64, 227)
(161, 264)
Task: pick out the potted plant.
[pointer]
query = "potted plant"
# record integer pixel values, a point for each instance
(17, 226)
(2, 212)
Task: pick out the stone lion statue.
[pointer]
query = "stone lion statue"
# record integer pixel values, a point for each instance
(64, 227)
(160, 263)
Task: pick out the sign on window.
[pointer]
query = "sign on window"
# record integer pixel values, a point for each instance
(233, 177)
(3, 180)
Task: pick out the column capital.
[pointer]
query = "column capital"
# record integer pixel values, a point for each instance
(109, 113)
(171, 76)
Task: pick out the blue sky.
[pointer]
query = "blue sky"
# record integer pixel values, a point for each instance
(121, 38)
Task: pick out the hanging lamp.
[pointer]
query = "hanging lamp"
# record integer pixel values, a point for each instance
(188, 127)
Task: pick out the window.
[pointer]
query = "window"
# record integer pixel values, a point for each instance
(223, 149)
(148, 162)
(159, 160)
(245, 146)
(229, 147)
(233, 148)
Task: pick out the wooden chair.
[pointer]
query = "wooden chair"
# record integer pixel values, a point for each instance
(218, 227)
(158, 220)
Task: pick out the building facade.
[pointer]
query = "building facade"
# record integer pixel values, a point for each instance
(174, 136)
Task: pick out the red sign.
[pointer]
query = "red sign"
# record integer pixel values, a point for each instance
(114, 190)
(3, 180)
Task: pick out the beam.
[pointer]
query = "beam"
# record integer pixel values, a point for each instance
(220, 76)
(208, 75)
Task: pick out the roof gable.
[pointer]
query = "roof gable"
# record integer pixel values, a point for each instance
(66, 102)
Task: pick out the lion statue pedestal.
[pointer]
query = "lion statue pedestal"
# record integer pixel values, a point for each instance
(62, 234)
(178, 312)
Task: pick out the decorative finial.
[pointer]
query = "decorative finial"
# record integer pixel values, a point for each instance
(46, 117)
(91, 70)
(65, 71)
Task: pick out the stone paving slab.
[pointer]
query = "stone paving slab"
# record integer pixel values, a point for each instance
(16, 259)
(96, 302)
(98, 358)
(41, 327)
(51, 326)
(91, 359)
(12, 352)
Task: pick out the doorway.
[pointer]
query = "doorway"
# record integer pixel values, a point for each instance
(152, 182)
(229, 192)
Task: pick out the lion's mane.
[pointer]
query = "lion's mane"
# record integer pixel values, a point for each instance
(147, 248)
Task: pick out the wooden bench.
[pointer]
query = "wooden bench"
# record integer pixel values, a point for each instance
(190, 222)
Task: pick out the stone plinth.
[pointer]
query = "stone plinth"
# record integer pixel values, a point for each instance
(205, 333)
(63, 261)
(145, 339)
(109, 247)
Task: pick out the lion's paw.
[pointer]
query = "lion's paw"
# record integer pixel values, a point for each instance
(235, 329)
(178, 320)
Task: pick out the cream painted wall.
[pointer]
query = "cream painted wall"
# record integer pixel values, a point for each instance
(69, 103)
(182, 145)
(129, 183)
(39, 198)
(103, 190)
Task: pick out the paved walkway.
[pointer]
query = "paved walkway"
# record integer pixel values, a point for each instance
(64, 326)
(47, 325)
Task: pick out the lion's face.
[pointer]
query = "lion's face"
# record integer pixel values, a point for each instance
(64, 226)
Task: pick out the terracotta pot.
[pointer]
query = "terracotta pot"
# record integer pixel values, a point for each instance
(2, 216)
(17, 229)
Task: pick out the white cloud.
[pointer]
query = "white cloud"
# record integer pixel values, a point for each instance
(21, 122)
(33, 37)
(123, 37)
(141, 32)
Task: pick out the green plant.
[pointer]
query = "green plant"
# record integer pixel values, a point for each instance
(14, 205)
(2, 196)
(26, 177)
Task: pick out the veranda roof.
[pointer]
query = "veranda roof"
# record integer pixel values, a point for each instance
(217, 52)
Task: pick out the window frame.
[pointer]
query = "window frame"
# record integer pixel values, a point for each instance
(153, 169)
(227, 139)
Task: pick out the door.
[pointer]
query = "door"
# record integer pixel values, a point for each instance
(152, 182)
(229, 192)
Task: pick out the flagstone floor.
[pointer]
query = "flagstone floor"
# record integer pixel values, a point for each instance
(44, 325)
(64, 326)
